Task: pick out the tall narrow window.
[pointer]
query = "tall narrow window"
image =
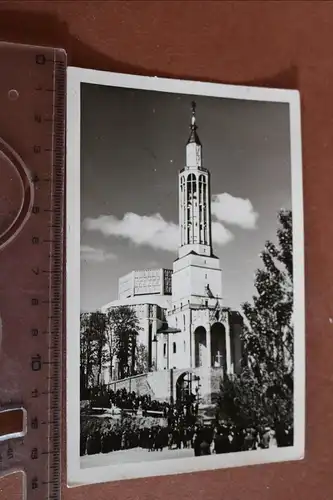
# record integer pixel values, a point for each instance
(182, 209)
(191, 201)
(184, 321)
(164, 350)
(203, 208)
(203, 200)
(174, 347)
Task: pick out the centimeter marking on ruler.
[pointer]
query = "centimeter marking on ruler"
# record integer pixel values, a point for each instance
(56, 291)
(52, 484)
(39, 453)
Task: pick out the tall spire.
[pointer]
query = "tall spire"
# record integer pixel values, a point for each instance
(193, 127)
(194, 198)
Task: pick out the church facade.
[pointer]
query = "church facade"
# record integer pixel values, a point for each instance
(192, 338)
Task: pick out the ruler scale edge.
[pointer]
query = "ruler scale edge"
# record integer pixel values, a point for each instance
(48, 485)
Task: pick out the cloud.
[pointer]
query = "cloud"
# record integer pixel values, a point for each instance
(154, 231)
(236, 211)
(91, 254)
(150, 230)
(220, 234)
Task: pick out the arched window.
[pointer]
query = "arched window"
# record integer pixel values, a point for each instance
(183, 208)
(190, 203)
(174, 347)
(202, 208)
(164, 350)
(191, 178)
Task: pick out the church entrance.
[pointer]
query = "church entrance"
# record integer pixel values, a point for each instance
(200, 339)
(187, 389)
(183, 387)
(218, 346)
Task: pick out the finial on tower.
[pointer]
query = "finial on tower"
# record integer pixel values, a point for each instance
(193, 127)
(193, 114)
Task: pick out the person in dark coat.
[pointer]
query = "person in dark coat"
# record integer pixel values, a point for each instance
(221, 442)
(205, 443)
(159, 440)
(238, 440)
(197, 443)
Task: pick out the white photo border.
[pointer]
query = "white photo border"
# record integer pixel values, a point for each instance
(75, 475)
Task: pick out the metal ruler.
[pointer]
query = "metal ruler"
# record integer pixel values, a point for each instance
(32, 164)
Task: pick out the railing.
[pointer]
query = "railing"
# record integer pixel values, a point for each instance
(212, 307)
(185, 169)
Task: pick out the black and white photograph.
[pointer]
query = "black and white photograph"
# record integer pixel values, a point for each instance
(185, 277)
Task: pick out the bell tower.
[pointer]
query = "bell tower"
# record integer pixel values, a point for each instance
(194, 198)
(196, 278)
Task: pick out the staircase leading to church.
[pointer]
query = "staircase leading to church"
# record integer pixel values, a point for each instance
(143, 387)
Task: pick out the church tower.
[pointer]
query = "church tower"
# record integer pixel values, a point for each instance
(194, 198)
(196, 276)
(200, 342)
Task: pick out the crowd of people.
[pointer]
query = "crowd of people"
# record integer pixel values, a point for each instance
(126, 400)
(204, 440)
(226, 439)
(180, 427)
(133, 402)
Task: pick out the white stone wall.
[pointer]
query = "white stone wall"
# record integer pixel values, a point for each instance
(217, 345)
(161, 385)
(126, 286)
(155, 384)
(144, 282)
(191, 275)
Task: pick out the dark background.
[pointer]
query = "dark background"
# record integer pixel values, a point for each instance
(279, 44)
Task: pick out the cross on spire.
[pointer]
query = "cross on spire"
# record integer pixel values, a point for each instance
(193, 124)
(193, 127)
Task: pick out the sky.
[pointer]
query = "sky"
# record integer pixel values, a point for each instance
(132, 148)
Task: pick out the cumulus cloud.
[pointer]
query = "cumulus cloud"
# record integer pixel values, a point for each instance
(154, 231)
(91, 254)
(220, 234)
(150, 230)
(236, 211)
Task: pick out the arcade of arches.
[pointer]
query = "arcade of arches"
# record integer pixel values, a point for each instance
(217, 346)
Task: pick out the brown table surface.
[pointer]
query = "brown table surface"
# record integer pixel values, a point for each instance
(279, 44)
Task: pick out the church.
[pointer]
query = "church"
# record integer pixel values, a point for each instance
(191, 336)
